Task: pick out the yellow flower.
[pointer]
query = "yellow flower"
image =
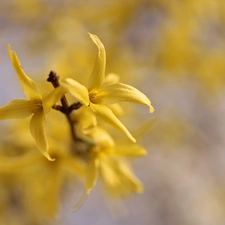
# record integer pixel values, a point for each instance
(99, 95)
(36, 105)
(107, 161)
(40, 196)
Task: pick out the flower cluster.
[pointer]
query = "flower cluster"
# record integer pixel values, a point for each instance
(90, 151)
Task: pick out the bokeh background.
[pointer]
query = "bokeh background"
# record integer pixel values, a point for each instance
(173, 51)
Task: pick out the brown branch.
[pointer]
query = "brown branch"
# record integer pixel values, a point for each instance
(65, 108)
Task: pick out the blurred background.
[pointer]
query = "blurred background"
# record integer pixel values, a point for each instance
(174, 52)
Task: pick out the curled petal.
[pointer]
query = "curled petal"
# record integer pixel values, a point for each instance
(51, 98)
(29, 87)
(38, 131)
(106, 114)
(76, 89)
(17, 109)
(98, 73)
(122, 93)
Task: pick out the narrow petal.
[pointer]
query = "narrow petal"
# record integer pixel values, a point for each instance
(128, 179)
(144, 128)
(18, 109)
(29, 87)
(37, 129)
(76, 89)
(111, 78)
(51, 98)
(118, 178)
(106, 114)
(128, 150)
(92, 174)
(122, 93)
(98, 73)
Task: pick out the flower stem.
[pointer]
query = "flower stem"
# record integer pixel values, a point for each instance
(65, 108)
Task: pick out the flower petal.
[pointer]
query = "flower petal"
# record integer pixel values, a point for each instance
(111, 78)
(37, 129)
(105, 113)
(85, 118)
(18, 109)
(29, 87)
(122, 93)
(18, 163)
(51, 98)
(116, 109)
(98, 72)
(128, 150)
(92, 174)
(119, 178)
(76, 89)
(101, 137)
(109, 174)
(74, 165)
(128, 179)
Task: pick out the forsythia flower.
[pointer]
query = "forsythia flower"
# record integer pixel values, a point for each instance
(99, 96)
(41, 199)
(106, 160)
(36, 105)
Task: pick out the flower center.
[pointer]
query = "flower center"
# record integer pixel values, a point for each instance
(93, 98)
(36, 106)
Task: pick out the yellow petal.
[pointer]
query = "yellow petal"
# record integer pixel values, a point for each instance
(80, 202)
(101, 137)
(122, 93)
(53, 187)
(128, 178)
(128, 150)
(51, 98)
(85, 118)
(118, 177)
(76, 89)
(144, 128)
(106, 114)
(29, 87)
(98, 73)
(18, 109)
(116, 109)
(109, 175)
(16, 164)
(111, 78)
(75, 165)
(92, 174)
(37, 129)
